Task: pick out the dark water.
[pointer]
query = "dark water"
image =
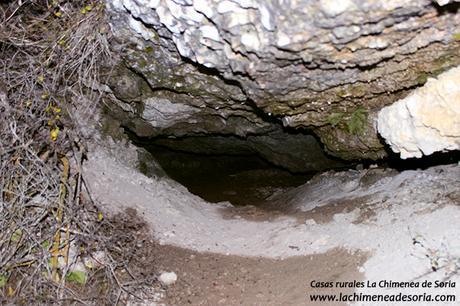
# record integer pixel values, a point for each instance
(241, 180)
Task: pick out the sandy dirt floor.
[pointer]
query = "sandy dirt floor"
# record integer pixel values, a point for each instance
(371, 225)
(213, 279)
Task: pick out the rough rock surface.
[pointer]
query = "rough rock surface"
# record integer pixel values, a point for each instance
(426, 121)
(239, 67)
(298, 152)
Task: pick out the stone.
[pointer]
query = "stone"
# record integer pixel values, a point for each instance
(161, 112)
(210, 32)
(445, 2)
(333, 8)
(168, 278)
(426, 121)
(245, 67)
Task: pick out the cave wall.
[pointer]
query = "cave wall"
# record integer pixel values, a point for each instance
(245, 67)
(294, 152)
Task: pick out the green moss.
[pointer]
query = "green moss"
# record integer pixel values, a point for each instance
(148, 49)
(142, 167)
(143, 63)
(444, 62)
(421, 79)
(456, 36)
(277, 109)
(342, 93)
(437, 72)
(355, 123)
(335, 118)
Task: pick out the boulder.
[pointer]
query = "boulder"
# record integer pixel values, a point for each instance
(426, 121)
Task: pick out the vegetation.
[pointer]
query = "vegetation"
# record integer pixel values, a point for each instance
(51, 58)
(355, 123)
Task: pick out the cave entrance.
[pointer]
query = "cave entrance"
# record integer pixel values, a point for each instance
(243, 172)
(241, 179)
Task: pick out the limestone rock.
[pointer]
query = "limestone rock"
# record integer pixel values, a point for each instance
(426, 121)
(168, 278)
(243, 67)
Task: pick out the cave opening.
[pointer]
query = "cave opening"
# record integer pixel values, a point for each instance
(245, 179)
(245, 171)
(239, 177)
(223, 168)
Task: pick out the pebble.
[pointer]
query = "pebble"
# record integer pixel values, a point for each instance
(168, 278)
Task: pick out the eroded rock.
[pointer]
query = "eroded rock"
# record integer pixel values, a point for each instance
(243, 67)
(426, 121)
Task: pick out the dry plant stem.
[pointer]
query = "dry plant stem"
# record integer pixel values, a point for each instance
(56, 252)
(49, 68)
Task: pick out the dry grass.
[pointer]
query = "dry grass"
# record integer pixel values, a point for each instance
(51, 54)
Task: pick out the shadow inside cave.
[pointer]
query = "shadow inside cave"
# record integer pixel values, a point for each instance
(244, 178)
(240, 179)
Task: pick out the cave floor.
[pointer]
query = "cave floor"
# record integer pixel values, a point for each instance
(355, 225)
(215, 279)
(206, 278)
